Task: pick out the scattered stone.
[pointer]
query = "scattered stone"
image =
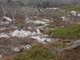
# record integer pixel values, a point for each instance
(16, 49)
(29, 27)
(39, 22)
(28, 46)
(1, 56)
(74, 13)
(79, 15)
(20, 33)
(62, 26)
(64, 18)
(3, 23)
(42, 40)
(38, 31)
(4, 35)
(55, 8)
(7, 19)
(1, 29)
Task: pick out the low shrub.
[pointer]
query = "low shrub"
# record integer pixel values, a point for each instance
(62, 14)
(60, 44)
(51, 25)
(70, 8)
(20, 25)
(71, 32)
(38, 52)
(70, 54)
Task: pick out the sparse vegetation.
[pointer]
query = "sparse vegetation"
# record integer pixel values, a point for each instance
(62, 14)
(21, 26)
(39, 29)
(51, 25)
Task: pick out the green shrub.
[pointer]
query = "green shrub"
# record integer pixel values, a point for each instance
(21, 25)
(51, 25)
(38, 52)
(77, 48)
(60, 44)
(72, 32)
(70, 8)
(62, 14)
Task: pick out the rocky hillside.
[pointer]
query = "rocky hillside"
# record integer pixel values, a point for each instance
(37, 33)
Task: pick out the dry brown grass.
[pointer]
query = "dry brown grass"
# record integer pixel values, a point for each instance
(8, 58)
(19, 18)
(70, 55)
